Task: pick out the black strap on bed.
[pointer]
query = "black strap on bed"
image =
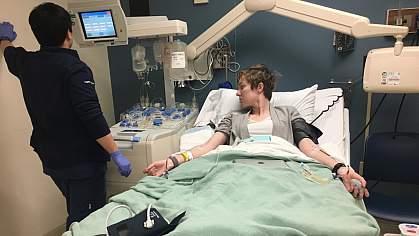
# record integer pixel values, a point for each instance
(301, 129)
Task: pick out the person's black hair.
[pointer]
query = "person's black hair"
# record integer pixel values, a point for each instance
(50, 24)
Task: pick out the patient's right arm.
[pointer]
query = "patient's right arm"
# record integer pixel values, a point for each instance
(216, 140)
(159, 167)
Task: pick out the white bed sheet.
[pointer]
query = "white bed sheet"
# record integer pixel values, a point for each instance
(334, 124)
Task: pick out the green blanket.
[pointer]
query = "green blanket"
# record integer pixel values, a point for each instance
(225, 198)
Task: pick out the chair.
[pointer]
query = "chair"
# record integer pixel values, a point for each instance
(392, 158)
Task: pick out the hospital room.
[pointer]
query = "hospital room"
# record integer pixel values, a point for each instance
(209, 117)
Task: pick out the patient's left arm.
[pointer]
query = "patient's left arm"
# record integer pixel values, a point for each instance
(346, 173)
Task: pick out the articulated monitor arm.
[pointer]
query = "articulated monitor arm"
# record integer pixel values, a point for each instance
(344, 22)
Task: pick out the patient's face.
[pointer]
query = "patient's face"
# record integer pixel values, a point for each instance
(248, 96)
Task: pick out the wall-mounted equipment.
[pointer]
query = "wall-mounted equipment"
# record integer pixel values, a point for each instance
(343, 43)
(394, 61)
(408, 17)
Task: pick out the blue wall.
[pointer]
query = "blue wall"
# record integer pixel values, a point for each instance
(302, 53)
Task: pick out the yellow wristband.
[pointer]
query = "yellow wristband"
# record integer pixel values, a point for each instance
(185, 156)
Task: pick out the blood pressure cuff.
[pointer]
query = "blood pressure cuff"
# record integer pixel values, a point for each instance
(301, 129)
(135, 226)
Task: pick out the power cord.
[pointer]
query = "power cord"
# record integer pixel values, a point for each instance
(415, 41)
(372, 117)
(396, 121)
(209, 64)
(112, 210)
(198, 89)
(149, 223)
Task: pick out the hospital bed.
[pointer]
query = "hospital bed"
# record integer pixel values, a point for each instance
(310, 102)
(225, 194)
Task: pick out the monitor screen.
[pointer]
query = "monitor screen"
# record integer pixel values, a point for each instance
(97, 24)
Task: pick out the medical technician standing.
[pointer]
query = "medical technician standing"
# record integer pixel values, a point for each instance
(70, 134)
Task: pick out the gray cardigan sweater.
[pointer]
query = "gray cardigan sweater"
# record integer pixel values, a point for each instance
(234, 125)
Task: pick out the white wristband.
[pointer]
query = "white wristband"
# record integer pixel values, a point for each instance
(190, 155)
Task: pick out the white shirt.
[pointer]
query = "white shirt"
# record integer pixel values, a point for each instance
(260, 127)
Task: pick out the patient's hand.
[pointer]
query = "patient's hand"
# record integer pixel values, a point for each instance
(359, 191)
(353, 182)
(158, 168)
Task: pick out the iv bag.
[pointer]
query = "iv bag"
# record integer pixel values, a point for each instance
(158, 50)
(178, 55)
(178, 64)
(139, 63)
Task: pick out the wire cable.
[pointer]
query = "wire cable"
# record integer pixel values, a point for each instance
(199, 89)
(149, 223)
(235, 68)
(370, 188)
(396, 121)
(112, 210)
(370, 120)
(209, 64)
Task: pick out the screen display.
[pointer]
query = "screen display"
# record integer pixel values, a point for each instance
(97, 24)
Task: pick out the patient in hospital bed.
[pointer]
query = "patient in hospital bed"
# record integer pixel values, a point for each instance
(259, 120)
(228, 191)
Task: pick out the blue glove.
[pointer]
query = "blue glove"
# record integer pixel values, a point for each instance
(122, 162)
(6, 32)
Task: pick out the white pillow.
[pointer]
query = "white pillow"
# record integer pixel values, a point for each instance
(221, 102)
(207, 112)
(303, 100)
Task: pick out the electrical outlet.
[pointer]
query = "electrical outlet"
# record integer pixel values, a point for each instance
(200, 1)
(408, 17)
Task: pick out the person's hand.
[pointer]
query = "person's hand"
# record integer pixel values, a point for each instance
(354, 183)
(122, 162)
(158, 168)
(6, 32)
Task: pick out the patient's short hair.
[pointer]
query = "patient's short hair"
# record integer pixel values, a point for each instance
(259, 73)
(50, 24)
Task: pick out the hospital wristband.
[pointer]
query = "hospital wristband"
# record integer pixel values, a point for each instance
(187, 156)
(190, 155)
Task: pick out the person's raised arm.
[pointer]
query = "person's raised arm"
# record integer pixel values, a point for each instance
(4, 44)
(7, 35)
